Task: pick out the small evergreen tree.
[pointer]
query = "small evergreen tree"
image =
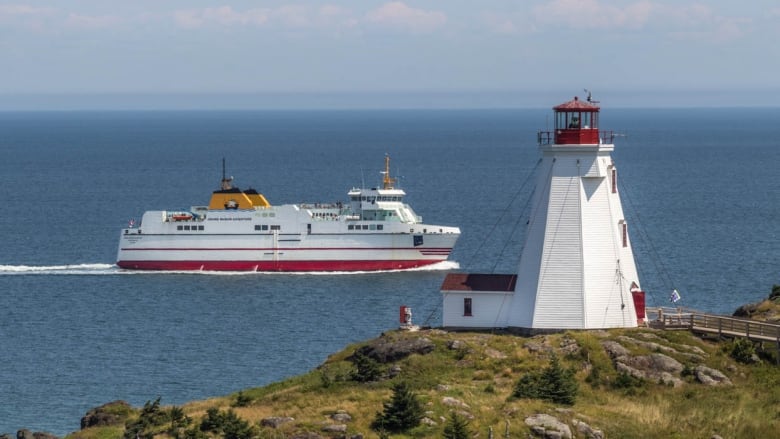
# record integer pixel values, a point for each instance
(528, 386)
(775, 294)
(559, 384)
(366, 368)
(403, 412)
(554, 384)
(227, 423)
(457, 427)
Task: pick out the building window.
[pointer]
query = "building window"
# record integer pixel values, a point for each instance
(624, 232)
(467, 306)
(614, 180)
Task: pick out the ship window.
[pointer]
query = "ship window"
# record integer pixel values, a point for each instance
(179, 227)
(276, 227)
(365, 226)
(186, 227)
(380, 227)
(467, 306)
(372, 227)
(351, 227)
(200, 228)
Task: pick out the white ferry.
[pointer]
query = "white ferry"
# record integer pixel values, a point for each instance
(241, 231)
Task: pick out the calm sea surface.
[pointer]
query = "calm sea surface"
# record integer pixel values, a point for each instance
(700, 189)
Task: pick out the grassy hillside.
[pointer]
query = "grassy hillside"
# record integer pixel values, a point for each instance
(474, 375)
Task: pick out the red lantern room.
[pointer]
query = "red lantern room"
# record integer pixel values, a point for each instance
(576, 123)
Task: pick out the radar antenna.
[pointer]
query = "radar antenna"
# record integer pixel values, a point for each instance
(590, 97)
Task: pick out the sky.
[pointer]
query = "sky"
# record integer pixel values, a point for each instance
(83, 54)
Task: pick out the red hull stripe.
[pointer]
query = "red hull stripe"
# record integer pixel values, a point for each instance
(274, 266)
(426, 249)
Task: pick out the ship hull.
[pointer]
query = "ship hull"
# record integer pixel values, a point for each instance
(279, 266)
(290, 252)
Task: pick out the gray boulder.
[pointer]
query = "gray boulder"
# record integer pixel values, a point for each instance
(387, 349)
(548, 426)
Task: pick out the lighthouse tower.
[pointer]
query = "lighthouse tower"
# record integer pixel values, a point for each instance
(577, 269)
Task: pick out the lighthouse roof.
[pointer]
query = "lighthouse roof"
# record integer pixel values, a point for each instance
(576, 105)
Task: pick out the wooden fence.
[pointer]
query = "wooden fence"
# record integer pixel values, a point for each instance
(723, 326)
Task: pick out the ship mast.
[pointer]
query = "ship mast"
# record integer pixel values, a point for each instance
(387, 181)
(226, 182)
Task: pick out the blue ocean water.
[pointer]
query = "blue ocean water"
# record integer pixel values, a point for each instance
(699, 187)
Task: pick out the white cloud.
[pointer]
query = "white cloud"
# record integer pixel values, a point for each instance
(23, 10)
(286, 17)
(222, 16)
(26, 17)
(400, 16)
(499, 23)
(91, 21)
(676, 19)
(592, 14)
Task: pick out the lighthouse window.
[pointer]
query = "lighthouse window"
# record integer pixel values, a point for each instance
(467, 306)
(624, 232)
(614, 180)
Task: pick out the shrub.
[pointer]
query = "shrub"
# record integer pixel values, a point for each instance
(403, 412)
(228, 424)
(151, 417)
(627, 381)
(554, 383)
(366, 368)
(743, 351)
(457, 427)
(242, 400)
(774, 296)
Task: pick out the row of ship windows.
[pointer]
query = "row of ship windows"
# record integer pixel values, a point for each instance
(196, 228)
(365, 227)
(372, 199)
(257, 227)
(265, 227)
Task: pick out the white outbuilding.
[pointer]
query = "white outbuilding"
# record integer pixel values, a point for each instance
(577, 269)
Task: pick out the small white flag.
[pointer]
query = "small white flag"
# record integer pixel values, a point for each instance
(675, 296)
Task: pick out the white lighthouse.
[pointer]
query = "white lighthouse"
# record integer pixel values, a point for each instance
(577, 269)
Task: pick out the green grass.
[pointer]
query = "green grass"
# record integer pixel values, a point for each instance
(483, 374)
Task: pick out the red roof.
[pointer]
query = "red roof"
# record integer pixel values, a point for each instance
(576, 105)
(479, 282)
